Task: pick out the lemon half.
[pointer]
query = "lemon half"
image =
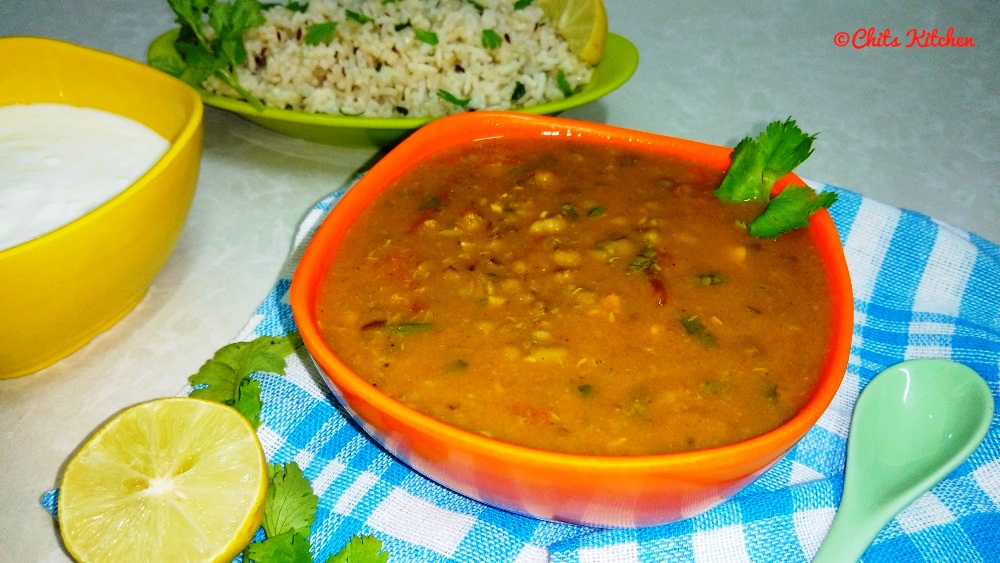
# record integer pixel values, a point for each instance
(582, 23)
(176, 479)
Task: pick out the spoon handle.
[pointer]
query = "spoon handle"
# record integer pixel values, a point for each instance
(852, 531)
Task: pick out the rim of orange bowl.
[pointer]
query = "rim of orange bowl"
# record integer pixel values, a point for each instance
(178, 143)
(464, 128)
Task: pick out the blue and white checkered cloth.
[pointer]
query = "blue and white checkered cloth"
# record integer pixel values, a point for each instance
(922, 289)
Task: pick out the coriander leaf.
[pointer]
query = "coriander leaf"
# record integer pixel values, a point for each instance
(188, 15)
(640, 408)
(360, 549)
(491, 39)
(432, 202)
(563, 84)
(770, 391)
(409, 328)
(519, 92)
(788, 146)
(299, 7)
(428, 37)
(174, 66)
(758, 164)
(245, 14)
(744, 179)
(264, 353)
(697, 329)
(640, 263)
(201, 63)
(643, 262)
(790, 210)
(357, 16)
(248, 400)
(320, 33)
(229, 22)
(710, 278)
(477, 5)
(290, 505)
(219, 378)
(221, 383)
(450, 98)
(522, 4)
(290, 547)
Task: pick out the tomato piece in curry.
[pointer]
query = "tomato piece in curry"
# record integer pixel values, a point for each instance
(577, 298)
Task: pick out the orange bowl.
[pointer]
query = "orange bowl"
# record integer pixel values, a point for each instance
(601, 491)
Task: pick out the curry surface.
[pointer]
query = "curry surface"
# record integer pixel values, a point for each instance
(577, 298)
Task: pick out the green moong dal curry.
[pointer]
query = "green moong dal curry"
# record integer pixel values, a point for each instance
(577, 298)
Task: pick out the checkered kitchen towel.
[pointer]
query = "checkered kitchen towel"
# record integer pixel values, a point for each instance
(922, 290)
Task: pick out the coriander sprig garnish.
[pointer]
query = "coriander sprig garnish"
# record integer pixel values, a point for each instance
(290, 507)
(757, 164)
(204, 54)
(289, 513)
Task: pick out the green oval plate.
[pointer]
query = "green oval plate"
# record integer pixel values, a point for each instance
(620, 60)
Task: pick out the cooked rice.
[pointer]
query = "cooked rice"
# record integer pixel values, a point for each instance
(372, 69)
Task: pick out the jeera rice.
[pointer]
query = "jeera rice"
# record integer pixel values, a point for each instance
(406, 58)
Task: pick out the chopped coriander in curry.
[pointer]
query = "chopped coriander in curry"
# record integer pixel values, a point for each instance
(577, 298)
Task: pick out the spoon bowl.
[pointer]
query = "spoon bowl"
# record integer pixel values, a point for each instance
(913, 424)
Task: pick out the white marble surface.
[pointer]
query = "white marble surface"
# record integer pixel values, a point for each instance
(916, 128)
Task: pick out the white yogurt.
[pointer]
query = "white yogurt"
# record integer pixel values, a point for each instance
(59, 162)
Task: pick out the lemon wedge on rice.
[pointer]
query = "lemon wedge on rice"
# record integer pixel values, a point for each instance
(176, 479)
(582, 23)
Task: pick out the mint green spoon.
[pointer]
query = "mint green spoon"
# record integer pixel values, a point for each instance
(914, 423)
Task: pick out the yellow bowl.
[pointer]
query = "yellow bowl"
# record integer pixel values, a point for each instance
(61, 289)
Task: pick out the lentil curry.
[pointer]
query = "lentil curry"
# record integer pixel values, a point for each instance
(577, 298)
